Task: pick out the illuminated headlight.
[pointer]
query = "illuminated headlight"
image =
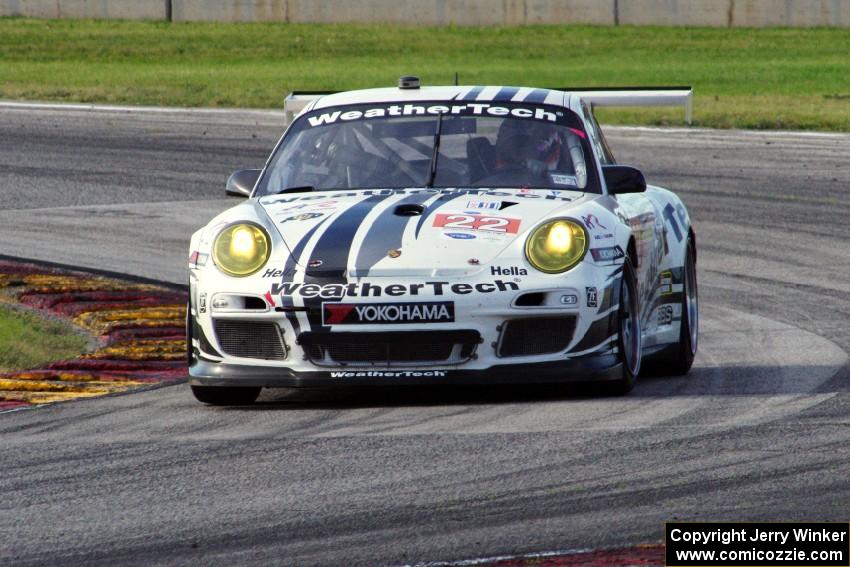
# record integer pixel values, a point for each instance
(556, 246)
(241, 249)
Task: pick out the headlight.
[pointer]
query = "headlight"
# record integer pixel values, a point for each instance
(241, 249)
(556, 246)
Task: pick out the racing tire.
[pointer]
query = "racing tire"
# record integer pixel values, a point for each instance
(189, 335)
(681, 363)
(629, 341)
(225, 395)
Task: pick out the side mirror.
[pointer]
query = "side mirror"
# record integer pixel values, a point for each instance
(241, 183)
(623, 179)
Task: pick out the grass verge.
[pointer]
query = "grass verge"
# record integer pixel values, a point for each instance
(749, 78)
(29, 341)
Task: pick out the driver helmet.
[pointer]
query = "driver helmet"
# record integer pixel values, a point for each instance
(528, 143)
(547, 143)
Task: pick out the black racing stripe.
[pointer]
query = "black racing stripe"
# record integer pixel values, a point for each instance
(334, 245)
(314, 314)
(506, 94)
(441, 200)
(537, 95)
(615, 272)
(289, 274)
(472, 94)
(203, 342)
(599, 332)
(291, 316)
(385, 233)
(332, 249)
(607, 295)
(296, 252)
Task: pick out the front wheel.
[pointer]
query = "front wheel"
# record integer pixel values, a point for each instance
(225, 395)
(629, 340)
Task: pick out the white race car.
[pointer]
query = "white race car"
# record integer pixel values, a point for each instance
(440, 235)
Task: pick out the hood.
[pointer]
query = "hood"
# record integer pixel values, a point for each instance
(425, 232)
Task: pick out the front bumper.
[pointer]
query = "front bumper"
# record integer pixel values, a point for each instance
(590, 368)
(485, 307)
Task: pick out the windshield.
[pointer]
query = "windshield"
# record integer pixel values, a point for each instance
(393, 146)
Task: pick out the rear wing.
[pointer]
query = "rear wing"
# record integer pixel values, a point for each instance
(296, 101)
(639, 96)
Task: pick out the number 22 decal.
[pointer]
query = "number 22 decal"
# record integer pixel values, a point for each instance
(477, 222)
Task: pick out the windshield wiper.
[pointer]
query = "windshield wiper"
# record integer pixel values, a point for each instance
(436, 152)
(297, 189)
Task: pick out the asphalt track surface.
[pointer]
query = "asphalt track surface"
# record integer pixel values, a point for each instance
(759, 430)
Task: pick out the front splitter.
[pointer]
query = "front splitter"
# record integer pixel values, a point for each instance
(596, 369)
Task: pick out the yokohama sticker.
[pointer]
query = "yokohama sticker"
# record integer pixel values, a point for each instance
(481, 223)
(387, 313)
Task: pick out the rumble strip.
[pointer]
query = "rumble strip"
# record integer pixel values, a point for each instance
(138, 329)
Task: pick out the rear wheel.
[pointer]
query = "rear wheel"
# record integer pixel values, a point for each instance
(629, 341)
(225, 395)
(689, 326)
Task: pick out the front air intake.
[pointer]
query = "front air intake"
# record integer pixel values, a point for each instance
(250, 339)
(409, 210)
(536, 336)
(389, 348)
(533, 299)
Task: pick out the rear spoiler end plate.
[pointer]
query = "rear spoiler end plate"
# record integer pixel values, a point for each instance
(296, 101)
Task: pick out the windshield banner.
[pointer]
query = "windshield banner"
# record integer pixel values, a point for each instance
(469, 109)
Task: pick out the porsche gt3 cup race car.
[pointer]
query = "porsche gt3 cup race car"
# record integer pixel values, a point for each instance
(440, 235)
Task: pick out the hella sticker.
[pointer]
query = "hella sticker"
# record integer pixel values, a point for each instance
(508, 271)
